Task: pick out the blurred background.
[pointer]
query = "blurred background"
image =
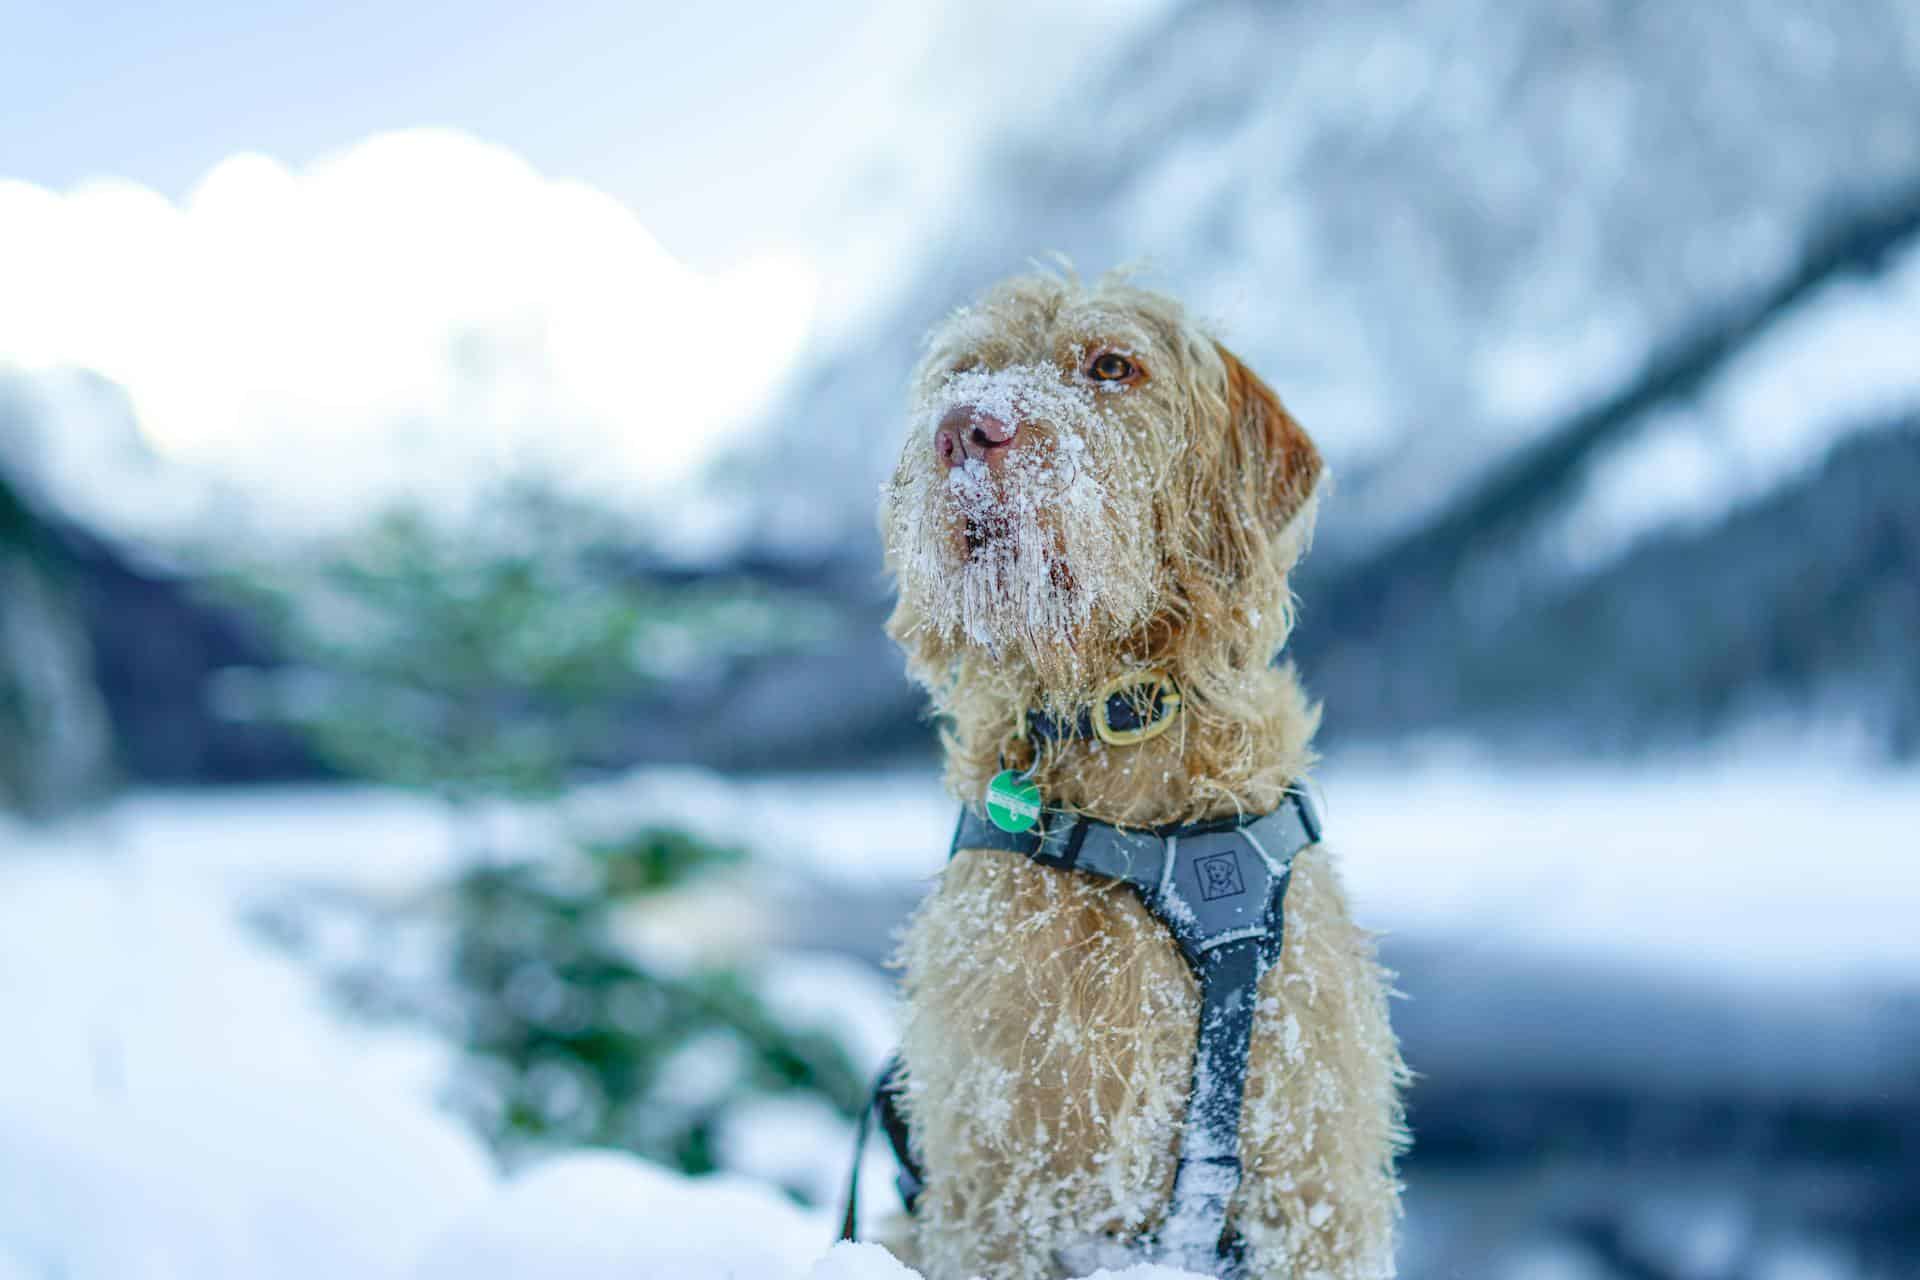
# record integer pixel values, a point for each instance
(444, 714)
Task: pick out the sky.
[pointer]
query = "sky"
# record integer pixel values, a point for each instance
(326, 257)
(348, 254)
(704, 119)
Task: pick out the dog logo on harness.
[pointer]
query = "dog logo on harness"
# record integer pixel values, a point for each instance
(1220, 876)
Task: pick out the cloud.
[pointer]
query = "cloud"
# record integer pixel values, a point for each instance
(412, 313)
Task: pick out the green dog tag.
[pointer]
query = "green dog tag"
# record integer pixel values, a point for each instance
(1012, 802)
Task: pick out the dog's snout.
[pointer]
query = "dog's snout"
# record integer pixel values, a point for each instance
(968, 431)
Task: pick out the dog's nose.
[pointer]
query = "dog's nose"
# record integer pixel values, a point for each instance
(968, 431)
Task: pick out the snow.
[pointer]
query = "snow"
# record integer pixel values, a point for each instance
(603, 1216)
(1748, 873)
(180, 1100)
(1846, 360)
(799, 1144)
(859, 1262)
(166, 1077)
(1556, 859)
(817, 989)
(844, 828)
(1682, 866)
(871, 1262)
(1051, 502)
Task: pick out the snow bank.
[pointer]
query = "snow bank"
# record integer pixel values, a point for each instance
(176, 1102)
(171, 1080)
(871, 1262)
(604, 1216)
(178, 1099)
(859, 1262)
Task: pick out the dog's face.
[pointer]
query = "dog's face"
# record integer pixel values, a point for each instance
(1081, 463)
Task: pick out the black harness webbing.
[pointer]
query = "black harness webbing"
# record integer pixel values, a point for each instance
(1219, 888)
(885, 1104)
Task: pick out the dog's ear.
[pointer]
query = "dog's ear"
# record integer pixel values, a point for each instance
(1280, 452)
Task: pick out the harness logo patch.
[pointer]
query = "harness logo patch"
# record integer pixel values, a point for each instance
(1220, 876)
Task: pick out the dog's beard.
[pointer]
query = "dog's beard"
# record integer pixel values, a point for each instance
(1046, 556)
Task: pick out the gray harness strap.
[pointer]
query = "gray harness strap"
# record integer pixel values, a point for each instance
(1219, 889)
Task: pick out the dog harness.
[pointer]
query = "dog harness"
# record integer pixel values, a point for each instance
(1219, 889)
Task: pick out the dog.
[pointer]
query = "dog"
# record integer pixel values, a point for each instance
(1092, 486)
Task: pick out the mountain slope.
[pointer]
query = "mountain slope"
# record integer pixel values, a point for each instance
(1490, 257)
(53, 740)
(1805, 604)
(1435, 228)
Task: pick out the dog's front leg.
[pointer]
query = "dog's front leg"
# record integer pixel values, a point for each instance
(978, 1230)
(1323, 1118)
(1049, 1030)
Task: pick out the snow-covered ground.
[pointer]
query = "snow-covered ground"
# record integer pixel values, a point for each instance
(1687, 868)
(179, 1099)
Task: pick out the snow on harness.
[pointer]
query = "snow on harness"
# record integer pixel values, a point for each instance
(1219, 888)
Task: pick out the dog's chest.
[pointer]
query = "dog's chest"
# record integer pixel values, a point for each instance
(1054, 1020)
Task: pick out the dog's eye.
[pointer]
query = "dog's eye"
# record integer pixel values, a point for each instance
(1111, 366)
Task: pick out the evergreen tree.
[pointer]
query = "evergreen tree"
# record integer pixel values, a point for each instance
(492, 662)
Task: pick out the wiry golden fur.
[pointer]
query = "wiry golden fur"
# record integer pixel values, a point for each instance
(1050, 1025)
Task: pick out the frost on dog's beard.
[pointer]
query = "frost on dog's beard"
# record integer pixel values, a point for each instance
(1040, 555)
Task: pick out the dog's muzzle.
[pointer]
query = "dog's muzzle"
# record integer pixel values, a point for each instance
(969, 433)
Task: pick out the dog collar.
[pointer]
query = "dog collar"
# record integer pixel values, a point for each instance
(1136, 707)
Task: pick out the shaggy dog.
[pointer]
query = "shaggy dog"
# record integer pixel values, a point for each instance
(1091, 486)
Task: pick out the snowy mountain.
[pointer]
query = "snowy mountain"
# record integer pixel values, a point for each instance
(107, 653)
(53, 748)
(1548, 286)
(1434, 232)
(1570, 296)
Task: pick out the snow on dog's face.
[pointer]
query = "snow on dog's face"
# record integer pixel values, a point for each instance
(1020, 516)
(1075, 458)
